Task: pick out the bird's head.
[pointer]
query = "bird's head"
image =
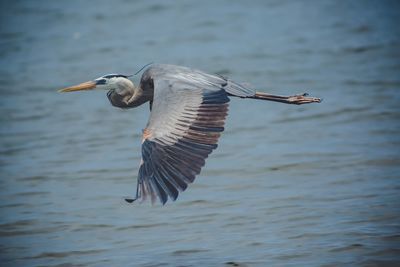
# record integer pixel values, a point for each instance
(107, 82)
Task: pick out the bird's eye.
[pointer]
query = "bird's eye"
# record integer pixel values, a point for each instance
(101, 81)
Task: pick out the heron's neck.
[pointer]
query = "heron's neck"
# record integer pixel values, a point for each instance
(125, 94)
(136, 98)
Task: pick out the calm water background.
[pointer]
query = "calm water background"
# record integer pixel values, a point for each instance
(314, 185)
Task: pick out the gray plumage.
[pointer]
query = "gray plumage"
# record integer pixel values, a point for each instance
(188, 111)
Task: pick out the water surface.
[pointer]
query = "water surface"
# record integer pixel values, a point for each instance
(314, 185)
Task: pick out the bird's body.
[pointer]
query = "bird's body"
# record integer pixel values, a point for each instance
(188, 110)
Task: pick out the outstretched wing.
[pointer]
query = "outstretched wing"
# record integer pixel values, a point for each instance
(187, 117)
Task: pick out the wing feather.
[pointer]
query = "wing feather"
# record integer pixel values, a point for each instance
(187, 118)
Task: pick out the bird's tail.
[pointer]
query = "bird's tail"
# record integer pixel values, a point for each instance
(294, 99)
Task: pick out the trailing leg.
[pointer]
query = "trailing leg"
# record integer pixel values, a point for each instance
(294, 99)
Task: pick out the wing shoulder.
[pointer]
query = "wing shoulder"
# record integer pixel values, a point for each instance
(196, 77)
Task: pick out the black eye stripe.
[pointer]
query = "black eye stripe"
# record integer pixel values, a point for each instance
(101, 81)
(108, 76)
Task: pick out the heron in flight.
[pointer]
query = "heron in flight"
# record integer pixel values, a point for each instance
(188, 110)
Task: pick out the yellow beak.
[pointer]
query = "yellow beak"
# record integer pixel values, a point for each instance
(83, 86)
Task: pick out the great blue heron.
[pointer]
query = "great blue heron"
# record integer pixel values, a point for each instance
(188, 110)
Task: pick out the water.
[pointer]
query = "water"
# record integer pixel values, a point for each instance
(314, 185)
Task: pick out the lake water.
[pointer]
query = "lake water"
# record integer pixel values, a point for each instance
(314, 185)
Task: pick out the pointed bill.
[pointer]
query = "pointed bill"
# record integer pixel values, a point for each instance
(83, 86)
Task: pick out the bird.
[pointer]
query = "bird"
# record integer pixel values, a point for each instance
(188, 108)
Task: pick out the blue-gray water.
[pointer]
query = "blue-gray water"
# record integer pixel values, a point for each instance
(314, 185)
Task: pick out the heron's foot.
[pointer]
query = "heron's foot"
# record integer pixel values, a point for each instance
(302, 99)
(130, 200)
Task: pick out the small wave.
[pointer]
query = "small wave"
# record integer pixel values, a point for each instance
(188, 251)
(29, 194)
(66, 253)
(88, 227)
(33, 178)
(24, 228)
(196, 202)
(13, 205)
(310, 235)
(346, 110)
(347, 248)
(284, 167)
(137, 226)
(360, 49)
(292, 256)
(235, 264)
(24, 232)
(395, 237)
(373, 82)
(16, 224)
(362, 29)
